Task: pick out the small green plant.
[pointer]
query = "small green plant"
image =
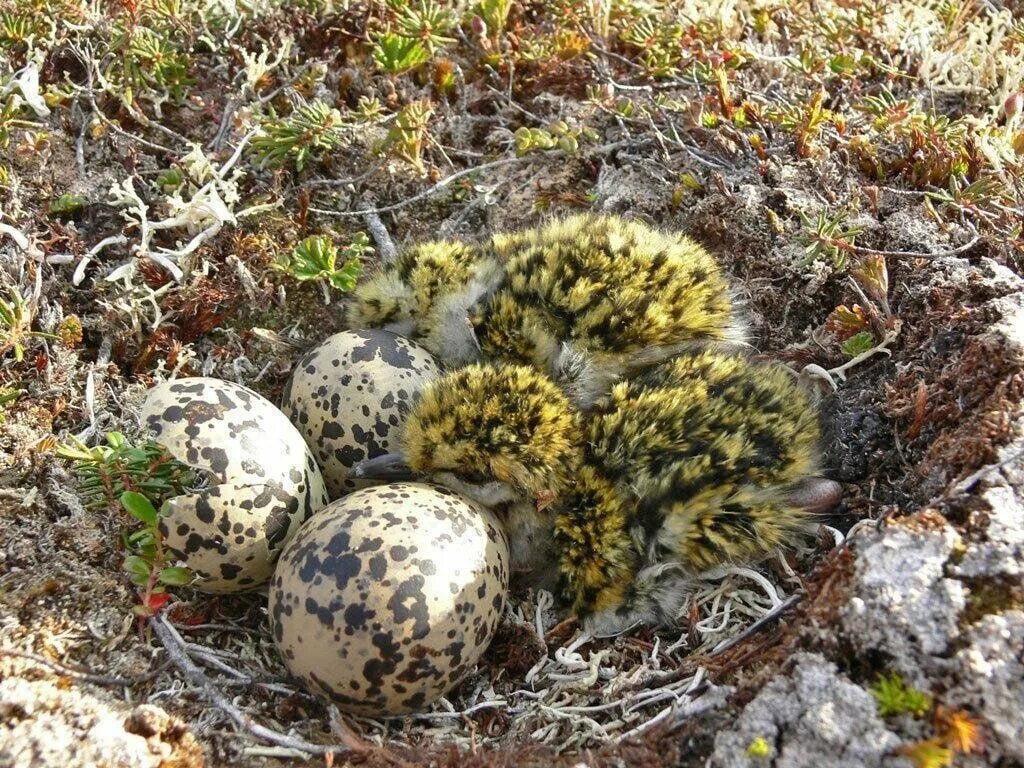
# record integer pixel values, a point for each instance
(887, 110)
(11, 111)
(857, 344)
(368, 108)
(396, 54)
(67, 205)
(409, 131)
(309, 132)
(558, 136)
(148, 61)
(16, 325)
(658, 43)
(985, 197)
(426, 22)
(895, 697)
(827, 238)
(7, 396)
(805, 122)
(105, 472)
(145, 560)
(494, 14)
(170, 180)
(927, 754)
(317, 258)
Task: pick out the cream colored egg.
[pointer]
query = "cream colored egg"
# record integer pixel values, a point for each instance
(385, 599)
(263, 481)
(348, 395)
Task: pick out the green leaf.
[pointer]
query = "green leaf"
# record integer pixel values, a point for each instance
(858, 343)
(175, 576)
(147, 550)
(141, 538)
(139, 507)
(138, 569)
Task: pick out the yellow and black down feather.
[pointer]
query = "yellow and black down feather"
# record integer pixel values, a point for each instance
(506, 423)
(613, 285)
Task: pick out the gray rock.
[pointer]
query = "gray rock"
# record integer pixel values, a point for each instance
(903, 604)
(1000, 279)
(912, 229)
(42, 726)
(811, 718)
(1002, 551)
(630, 190)
(990, 681)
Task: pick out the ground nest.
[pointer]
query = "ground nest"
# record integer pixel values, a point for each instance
(855, 168)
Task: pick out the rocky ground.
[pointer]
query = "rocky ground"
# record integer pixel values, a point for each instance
(855, 166)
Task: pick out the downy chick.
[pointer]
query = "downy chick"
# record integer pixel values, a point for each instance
(586, 299)
(705, 459)
(591, 298)
(718, 458)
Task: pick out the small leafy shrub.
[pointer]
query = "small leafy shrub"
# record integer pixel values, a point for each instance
(308, 133)
(135, 479)
(145, 560)
(317, 258)
(105, 472)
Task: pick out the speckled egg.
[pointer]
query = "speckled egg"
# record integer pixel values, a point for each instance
(387, 597)
(263, 481)
(348, 394)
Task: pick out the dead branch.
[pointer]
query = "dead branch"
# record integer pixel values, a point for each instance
(175, 647)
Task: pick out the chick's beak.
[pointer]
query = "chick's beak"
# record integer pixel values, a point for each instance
(390, 466)
(817, 495)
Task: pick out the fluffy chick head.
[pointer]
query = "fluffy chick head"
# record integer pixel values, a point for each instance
(487, 423)
(403, 296)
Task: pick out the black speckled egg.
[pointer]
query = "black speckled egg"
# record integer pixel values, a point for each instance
(386, 598)
(348, 394)
(264, 482)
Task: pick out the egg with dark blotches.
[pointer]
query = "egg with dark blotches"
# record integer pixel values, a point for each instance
(259, 480)
(388, 597)
(348, 395)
